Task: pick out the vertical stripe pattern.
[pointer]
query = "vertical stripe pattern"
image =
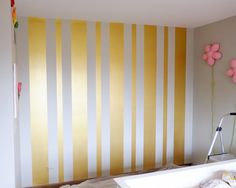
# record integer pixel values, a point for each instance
(98, 98)
(92, 136)
(105, 100)
(170, 95)
(133, 97)
(149, 96)
(52, 101)
(165, 92)
(139, 96)
(67, 101)
(102, 98)
(116, 96)
(127, 97)
(59, 100)
(159, 96)
(38, 100)
(180, 80)
(79, 98)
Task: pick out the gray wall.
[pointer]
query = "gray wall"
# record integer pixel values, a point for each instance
(225, 91)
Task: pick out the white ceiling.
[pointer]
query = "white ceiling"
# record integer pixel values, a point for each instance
(186, 13)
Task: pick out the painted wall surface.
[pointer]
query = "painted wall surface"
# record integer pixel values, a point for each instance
(7, 156)
(102, 98)
(225, 91)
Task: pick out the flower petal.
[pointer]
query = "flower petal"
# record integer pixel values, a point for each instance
(210, 61)
(230, 72)
(215, 47)
(210, 54)
(217, 55)
(233, 63)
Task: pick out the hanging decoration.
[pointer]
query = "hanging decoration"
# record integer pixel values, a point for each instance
(231, 72)
(212, 53)
(19, 88)
(13, 12)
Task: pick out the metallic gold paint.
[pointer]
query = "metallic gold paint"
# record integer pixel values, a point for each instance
(116, 97)
(150, 60)
(38, 99)
(79, 98)
(180, 80)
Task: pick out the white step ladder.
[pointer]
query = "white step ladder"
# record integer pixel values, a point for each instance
(221, 156)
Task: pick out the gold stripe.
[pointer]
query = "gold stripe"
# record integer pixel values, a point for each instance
(149, 96)
(98, 96)
(59, 98)
(79, 98)
(165, 92)
(116, 96)
(38, 99)
(133, 97)
(180, 72)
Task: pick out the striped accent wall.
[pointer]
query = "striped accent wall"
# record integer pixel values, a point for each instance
(102, 98)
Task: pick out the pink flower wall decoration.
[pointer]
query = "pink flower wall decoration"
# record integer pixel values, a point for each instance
(212, 53)
(231, 72)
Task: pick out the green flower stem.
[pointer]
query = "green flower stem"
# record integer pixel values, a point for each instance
(212, 102)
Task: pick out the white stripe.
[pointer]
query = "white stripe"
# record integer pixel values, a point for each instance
(171, 94)
(52, 101)
(189, 97)
(105, 101)
(140, 97)
(91, 60)
(159, 96)
(24, 103)
(128, 97)
(67, 103)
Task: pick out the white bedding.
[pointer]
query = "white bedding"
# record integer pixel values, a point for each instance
(109, 182)
(189, 177)
(214, 183)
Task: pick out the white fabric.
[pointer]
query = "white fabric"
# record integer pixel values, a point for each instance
(216, 183)
(107, 183)
(230, 178)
